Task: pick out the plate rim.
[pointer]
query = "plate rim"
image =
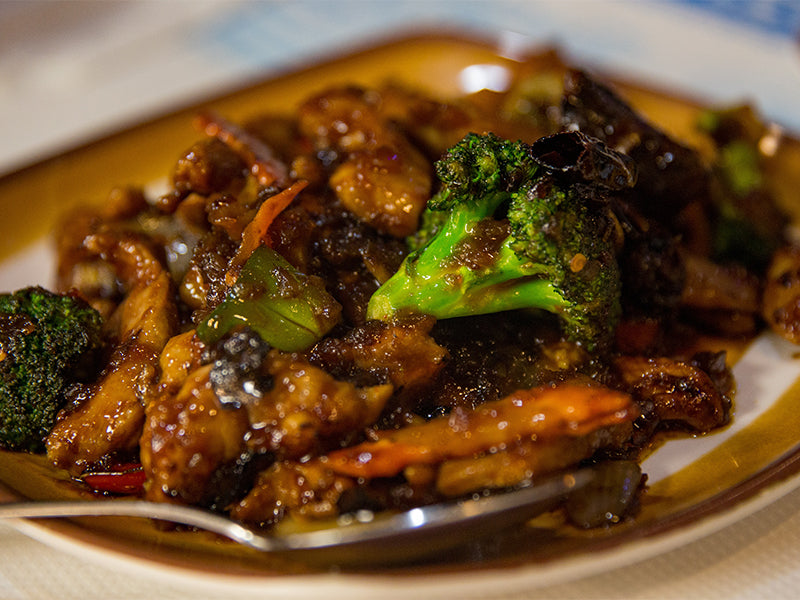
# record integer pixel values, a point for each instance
(743, 500)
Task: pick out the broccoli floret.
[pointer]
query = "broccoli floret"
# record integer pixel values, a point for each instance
(525, 229)
(48, 341)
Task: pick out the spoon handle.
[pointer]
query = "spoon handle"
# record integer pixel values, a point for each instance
(448, 523)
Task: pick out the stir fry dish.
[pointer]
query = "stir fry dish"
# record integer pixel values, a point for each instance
(386, 299)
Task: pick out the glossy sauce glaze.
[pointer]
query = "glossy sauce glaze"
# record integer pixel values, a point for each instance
(688, 486)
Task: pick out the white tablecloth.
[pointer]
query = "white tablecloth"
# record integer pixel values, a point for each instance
(72, 70)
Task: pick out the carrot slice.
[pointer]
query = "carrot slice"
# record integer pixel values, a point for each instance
(256, 231)
(567, 410)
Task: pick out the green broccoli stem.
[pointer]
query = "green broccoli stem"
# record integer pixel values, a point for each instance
(430, 282)
(453, 295)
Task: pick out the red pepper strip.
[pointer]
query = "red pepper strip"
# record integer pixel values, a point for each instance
(263, 165)
(256, 231)
(130, 481)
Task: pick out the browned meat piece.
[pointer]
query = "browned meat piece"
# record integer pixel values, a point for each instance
(383, 188)
(198, 425)
(712, 286)
(132, 256)
(188, 435)
(781, 302)
(379, 175)
(307, 410)
(104, 252)
(203, 287)
(436, 124)
(279, 133)
(181, 355)
(208, 166)
(229, 173)
(84, 246)
(110, 413)
(232, 212)
(303, 490)
(256, 154)
(722, 298)
(401, 352)
(674, 392)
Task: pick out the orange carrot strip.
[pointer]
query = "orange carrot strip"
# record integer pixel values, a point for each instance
(541, 414)
(256, 231)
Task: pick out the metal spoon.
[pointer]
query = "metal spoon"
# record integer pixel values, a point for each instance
(362, 537)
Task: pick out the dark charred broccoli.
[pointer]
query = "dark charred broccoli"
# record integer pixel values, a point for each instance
(747, 224)
(237, 373)
(525, 228)
(48, 342)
